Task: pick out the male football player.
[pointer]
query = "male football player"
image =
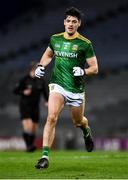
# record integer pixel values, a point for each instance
(71, 51)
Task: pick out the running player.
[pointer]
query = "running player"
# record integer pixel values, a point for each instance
(71, 52)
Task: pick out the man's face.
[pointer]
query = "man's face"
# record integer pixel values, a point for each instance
(71, 24)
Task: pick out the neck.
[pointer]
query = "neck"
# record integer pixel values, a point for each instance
(70, 36)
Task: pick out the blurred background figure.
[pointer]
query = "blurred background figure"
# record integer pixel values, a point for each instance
(29, 88)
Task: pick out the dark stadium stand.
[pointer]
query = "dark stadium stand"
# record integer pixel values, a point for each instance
(24, 38)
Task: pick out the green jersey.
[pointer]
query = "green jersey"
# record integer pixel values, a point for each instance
(69, 53)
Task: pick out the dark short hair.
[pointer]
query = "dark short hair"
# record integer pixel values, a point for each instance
(72, 11)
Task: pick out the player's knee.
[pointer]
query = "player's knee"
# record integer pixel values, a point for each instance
(52, 118)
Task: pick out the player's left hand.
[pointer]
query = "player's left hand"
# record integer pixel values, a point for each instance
(78, 71)
(39, 72)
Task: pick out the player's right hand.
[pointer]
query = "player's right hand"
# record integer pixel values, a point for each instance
(39, 72)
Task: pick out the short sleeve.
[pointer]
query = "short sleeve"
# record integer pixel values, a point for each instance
(90, 51)
(51, 43)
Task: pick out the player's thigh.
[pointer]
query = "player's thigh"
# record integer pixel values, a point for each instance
(55, 103)
(77, 113)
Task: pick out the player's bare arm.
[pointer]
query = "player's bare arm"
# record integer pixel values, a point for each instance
(92, 66)
(47, 57)
(45, 60)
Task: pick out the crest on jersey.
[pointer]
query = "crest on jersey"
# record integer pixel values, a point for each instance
(75, 47)
(66, 45)
(57, 45)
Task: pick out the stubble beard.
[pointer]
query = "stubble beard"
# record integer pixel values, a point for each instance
(70, 34)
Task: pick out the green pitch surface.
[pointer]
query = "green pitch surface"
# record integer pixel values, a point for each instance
(65, 165)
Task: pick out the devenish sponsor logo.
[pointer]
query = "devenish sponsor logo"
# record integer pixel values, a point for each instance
(66, 54)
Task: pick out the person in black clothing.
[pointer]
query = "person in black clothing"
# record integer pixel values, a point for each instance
(30, 89)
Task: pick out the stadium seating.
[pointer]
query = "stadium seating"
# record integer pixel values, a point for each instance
(27, 36)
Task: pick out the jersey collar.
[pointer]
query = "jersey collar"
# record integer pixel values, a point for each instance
(71, 37)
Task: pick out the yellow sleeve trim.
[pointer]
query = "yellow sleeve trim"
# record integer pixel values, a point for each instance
(58, 34)
(84, 39)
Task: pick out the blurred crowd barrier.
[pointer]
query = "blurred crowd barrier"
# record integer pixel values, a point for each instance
(101, 144)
